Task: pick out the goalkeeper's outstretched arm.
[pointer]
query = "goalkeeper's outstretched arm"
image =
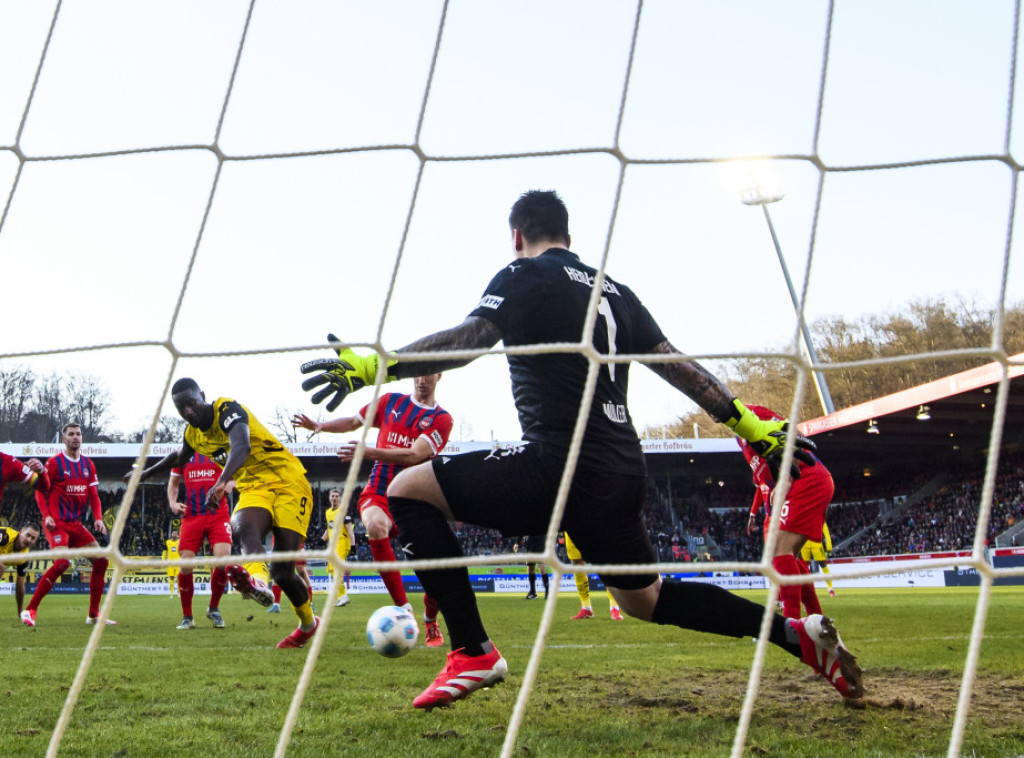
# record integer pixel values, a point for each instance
(474, 333)
(767, 437)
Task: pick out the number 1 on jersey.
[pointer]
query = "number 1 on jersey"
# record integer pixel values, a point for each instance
(604, 308)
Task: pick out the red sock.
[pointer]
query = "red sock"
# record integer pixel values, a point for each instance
(277, 593)
(96, 583)
(218, 581)
(788, 565)
(186, 589)
(429, 608)
(309, 589)
(46, 583)
(382, 551)
(808, 595)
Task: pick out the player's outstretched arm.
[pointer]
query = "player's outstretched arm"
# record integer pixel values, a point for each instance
(474, 333)
(767, 437)
(335, 378)
(169, 461)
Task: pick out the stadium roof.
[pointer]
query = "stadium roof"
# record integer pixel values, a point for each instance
(961, 410)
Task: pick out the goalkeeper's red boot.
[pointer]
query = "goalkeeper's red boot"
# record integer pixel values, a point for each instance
(250, 587)
(434, 638)
(585, 613)
(462, 675)
(299, 638)
(824, 652)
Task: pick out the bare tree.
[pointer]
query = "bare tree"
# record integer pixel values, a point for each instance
(16, 383)
(281, 423)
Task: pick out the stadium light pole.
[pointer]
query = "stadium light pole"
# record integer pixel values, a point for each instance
(759, 196)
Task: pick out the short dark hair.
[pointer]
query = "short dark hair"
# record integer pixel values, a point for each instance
(70, 425)
(334, 489)
(184, 385)
(540, 215)
(31, 525)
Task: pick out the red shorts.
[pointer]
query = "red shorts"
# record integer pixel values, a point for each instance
(804, 510)
(366, 499)
(68, 534)
(216, 527)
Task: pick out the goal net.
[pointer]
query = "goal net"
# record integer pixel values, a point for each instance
(197, 190)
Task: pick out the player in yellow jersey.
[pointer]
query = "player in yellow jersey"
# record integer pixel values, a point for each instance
(337, 517)
(13, 542)
(819, 552)
(171, 554)
(583, 586)
(273, 496)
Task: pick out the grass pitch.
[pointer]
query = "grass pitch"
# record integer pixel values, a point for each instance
(605, 688)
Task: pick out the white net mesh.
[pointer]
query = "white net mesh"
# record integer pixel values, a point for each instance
(210, 189)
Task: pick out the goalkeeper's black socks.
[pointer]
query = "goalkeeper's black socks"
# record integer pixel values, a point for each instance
(424, 532)
(709, 608)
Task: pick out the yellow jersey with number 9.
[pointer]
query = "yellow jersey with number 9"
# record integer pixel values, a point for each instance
(268, 463)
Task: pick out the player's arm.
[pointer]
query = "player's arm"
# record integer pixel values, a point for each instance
(39, 479)
(96, 506)
(173, 486)
(705, 389)
(343, 424)
(43, 498)
(420, 451)
(349, 371)
(171, 460)
(351, 532)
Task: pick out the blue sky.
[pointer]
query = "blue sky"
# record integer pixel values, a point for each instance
(97, 250)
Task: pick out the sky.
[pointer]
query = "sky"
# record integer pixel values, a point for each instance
(151, 195)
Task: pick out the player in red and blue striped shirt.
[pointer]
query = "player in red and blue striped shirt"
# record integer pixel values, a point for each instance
(73, 495)
(200, 520)
(412, 429)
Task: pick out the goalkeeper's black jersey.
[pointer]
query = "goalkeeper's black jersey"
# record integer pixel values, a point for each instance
(544, 300)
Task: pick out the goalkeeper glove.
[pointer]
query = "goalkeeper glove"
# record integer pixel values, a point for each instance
(344, 374)
(768, 438)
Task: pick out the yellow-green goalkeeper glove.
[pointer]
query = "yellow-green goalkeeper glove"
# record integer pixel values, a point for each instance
(344, 374)
(768, 438)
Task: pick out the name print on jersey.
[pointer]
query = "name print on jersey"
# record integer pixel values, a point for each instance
(583, 278)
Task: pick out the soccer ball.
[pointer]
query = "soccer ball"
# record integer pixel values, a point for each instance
(392, 631)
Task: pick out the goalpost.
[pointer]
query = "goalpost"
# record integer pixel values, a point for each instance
(625, 167)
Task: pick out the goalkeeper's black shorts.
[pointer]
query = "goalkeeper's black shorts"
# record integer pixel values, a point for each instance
(513, 489)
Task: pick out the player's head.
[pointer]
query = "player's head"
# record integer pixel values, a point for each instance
(335, 497)
(174, 534)
(540, 216)
(191, 404)
(71, 433)
(425, 386)
(27, 537)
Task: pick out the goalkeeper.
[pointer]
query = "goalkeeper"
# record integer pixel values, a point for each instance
(542, 297)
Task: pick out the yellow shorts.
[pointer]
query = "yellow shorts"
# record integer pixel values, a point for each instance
(570, 549)
(344, 548)
(173, 571)
(813, 550)
(290, 503)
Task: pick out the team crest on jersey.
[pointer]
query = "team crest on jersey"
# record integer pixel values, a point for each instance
(425, 422)
(490, 301)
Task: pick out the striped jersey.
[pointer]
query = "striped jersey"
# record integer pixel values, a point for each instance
(401, 421)
(73, 489)
(199, 476)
